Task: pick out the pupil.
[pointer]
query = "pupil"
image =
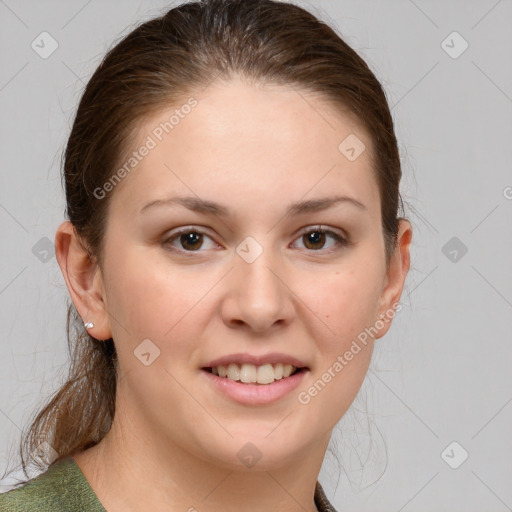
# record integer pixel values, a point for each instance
(192, 238)
(315, 237)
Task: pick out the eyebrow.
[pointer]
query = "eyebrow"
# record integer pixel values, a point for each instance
(199, 205)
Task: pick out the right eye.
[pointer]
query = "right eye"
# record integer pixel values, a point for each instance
(188, 239)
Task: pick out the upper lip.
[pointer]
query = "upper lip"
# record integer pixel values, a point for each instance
(241, 358)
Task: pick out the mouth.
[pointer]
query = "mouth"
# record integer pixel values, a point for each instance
(246, 373)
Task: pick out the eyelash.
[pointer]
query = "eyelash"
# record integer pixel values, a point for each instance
(340, 240)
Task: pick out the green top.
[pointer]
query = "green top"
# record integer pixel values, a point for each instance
(64, 488)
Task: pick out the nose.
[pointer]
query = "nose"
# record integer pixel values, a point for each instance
(258, 295)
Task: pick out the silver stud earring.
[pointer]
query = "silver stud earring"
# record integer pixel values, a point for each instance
(88, 325)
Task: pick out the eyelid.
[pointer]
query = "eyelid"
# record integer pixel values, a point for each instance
(327, 229)
(197, 228)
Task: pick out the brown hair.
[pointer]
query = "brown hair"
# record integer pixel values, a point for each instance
(154, 67)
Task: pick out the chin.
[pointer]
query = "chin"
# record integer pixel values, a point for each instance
(246, 453)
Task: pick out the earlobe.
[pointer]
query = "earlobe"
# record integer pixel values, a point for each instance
(83, 280)
(395, 278)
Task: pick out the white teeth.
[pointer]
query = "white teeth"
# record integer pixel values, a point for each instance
(287, 370)
(233, 372)
(250, 373)
(266, 374)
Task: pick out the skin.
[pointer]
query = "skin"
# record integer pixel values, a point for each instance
(174, 441)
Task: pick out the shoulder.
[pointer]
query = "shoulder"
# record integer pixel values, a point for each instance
(62, 487)
(321, 501)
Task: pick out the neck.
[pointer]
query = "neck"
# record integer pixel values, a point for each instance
(132, 472)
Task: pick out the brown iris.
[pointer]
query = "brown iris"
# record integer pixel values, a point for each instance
(191, 240)
(314, 237)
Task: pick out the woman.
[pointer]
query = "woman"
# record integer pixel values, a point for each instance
(232, 252)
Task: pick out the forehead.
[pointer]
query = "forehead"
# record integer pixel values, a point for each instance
(234, 138)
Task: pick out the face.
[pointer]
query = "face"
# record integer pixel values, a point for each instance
(189, 284)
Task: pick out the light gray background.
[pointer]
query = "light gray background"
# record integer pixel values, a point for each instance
(443, 372)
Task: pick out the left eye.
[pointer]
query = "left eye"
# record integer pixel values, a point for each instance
(317, 236)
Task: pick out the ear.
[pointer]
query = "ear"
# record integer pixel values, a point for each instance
(83, 280)
(395, 277)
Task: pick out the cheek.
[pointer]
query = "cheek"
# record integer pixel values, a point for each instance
(344, 303)
(346, 306)
(153, 301)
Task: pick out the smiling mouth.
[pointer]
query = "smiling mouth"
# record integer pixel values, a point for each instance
(251, 374)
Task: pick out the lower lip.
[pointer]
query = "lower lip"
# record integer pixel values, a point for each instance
(255, 394)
